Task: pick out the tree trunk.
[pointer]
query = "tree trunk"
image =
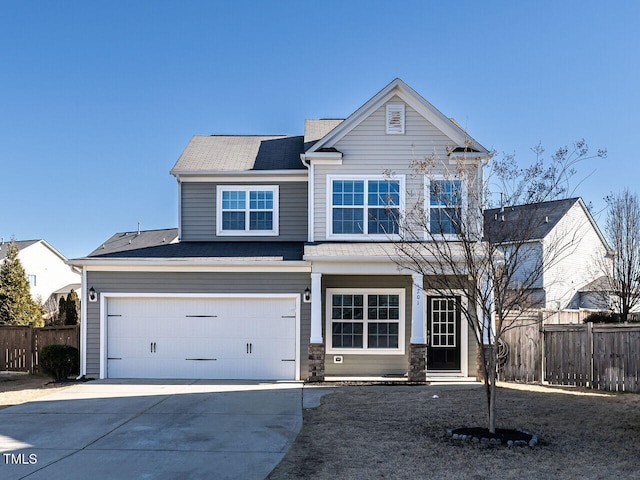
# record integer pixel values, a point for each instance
(492, 388)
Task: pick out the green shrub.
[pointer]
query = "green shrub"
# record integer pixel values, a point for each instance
(59, 361)
(602, 317)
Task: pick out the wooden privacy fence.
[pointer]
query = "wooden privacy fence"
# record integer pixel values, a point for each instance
(20, 346)
(600, 356)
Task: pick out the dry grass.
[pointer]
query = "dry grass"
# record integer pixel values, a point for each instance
(399, 432)
(18, 388)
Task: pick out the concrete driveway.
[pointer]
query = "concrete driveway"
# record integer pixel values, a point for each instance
(141, 429)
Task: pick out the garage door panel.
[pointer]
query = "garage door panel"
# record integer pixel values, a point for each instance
(225, 338)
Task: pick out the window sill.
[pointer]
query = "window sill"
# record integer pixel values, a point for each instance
(244, 233)
(362, 351)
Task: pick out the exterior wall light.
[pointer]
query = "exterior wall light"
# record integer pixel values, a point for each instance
(93, 296)
(306, 296)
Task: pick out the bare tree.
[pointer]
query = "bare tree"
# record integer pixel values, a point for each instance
(445, 236)
(621, 276)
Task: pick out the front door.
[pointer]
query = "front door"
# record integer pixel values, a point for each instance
(443, 314)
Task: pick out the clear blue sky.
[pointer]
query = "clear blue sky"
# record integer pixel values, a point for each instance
(98, 99)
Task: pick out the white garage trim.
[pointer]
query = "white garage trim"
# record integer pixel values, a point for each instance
(105, 296)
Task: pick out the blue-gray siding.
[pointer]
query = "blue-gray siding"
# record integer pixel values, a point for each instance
(198, 205)
(362, 364)
(183, 282)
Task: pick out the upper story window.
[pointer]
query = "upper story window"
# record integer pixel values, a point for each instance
(247, 210)
(364, 206)
(395, 118)
(32, 280)
(445, 206)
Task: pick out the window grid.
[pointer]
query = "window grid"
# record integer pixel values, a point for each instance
(445, 206)
(377, 200)
(247, 210)
(443, 322)
(381, 316)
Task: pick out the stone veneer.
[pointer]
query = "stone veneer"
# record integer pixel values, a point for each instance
(316, 362)
(417, 363)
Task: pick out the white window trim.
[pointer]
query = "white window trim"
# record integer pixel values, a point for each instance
(365, 351)
(427, 204)
(365, 178)
(248, 233)
(395, 107)
(464, 325)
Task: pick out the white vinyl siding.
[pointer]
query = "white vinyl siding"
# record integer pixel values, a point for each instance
(395, 118)
(579, 245)
(368, 151)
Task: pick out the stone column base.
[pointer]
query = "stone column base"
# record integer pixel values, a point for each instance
(316, 362)
(417, 363)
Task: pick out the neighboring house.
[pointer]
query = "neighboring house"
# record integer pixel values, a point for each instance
(563, 238)
(47, 271)
(596, 295)
(280, 267)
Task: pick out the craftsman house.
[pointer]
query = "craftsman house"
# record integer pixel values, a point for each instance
(281, 266)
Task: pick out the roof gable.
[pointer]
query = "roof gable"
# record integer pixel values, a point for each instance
(501, 224)
(23, 244)
(400, 89)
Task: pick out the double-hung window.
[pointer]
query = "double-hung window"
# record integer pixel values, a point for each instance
(364, 206)
(445, 204)
(365, 321)
(247, 210)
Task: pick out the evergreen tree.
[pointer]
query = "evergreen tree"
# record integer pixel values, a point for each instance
(71, 308)
(16, 305)
(62, 311)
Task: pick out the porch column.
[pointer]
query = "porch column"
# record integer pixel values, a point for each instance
(316, 342)
(417, 311)
(417, 348)
(316, 308)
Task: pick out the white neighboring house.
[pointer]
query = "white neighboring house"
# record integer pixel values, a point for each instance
(46, 269)
(566, 227)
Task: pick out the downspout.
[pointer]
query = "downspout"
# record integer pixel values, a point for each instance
(179, 208)
(310, 194)
(83, 325)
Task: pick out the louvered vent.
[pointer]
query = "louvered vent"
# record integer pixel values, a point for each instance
(395, 118)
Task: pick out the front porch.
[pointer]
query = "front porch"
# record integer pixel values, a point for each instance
(372, 322)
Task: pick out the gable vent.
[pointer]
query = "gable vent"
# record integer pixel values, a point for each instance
(395, 118)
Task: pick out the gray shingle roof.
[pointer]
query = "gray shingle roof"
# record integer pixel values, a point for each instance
(130, 241)
(286, 251)
(525, 222)
(19, 243)
(233, 153)
(315, 129)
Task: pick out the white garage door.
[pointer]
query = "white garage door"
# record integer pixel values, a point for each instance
(215, 338)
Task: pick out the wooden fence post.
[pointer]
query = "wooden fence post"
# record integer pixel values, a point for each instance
(589, 359)
(543, 356)
(30, 354)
